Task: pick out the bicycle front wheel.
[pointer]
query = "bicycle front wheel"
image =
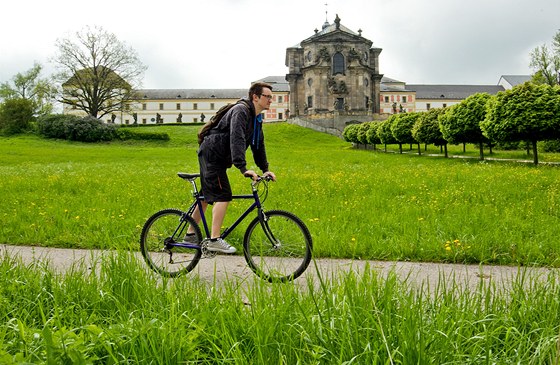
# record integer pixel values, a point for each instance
(279, 247)
(162, 243)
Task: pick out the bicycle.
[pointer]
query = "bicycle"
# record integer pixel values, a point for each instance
(277, 244)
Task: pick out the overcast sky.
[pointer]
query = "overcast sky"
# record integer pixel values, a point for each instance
(229, 43)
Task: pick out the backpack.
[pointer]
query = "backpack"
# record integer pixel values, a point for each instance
(203, 132)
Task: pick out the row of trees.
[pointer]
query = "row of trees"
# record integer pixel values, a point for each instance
(526, 113)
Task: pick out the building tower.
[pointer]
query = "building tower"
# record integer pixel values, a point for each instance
(334, 77)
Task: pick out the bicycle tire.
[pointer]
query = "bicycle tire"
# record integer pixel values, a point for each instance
(290, 258)
(157, 234)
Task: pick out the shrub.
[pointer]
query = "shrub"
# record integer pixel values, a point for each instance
(90, 129)
(54, 125)
(16, 116)
(129, 134)
(551, 145)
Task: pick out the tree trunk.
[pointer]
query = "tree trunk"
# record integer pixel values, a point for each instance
(385, 147)
(535, 155)
(445, 148)
(481, 147)
(400, 147)
(419, 150)
(464, 147)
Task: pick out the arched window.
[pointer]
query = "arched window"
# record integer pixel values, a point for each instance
(338, 63)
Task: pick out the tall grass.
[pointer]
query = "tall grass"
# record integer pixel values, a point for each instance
(118, 312)
(357, 203)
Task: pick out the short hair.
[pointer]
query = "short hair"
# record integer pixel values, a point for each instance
(256, 89)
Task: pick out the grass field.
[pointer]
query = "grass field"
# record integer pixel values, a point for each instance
(357, 203)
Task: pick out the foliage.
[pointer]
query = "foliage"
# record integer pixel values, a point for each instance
(131, 134)
(16, 116)
(461, 123)
(350, 133)
(371, 133)
(546, 63)
(426, 129)
(528, 112)
(29, 86)
(111, 310)
(87, 129)
(90, 129)
(54, 125)
(98, 72)
(68, 194)
(362, 132)
(551, 145)
(384, 130)
(401, 127)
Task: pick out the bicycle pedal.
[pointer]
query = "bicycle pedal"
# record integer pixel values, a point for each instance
(206, 254)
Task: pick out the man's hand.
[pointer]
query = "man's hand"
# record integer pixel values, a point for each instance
(252, 174)
(271, 174)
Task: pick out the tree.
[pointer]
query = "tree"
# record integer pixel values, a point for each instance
(29, 86)
(401, 127)
(98, 73)
(426, 129)
(350, 133)
(546, 63)
(371, 134)
(15, 115)
(528, 112)
(384, 131)
(461, 124)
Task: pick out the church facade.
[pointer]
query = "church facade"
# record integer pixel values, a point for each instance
(333, 72)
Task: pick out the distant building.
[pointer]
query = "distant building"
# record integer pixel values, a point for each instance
(333, 79)
(157, 106)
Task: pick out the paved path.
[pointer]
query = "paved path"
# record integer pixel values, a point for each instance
(226, 267)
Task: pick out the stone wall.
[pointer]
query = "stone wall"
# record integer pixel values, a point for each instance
(332, 123)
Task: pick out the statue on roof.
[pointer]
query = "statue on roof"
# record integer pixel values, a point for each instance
(337, 22)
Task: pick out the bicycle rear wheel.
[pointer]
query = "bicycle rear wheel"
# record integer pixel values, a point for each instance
(159, 235)
(279, 248)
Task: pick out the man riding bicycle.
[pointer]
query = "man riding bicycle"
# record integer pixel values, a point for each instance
(225, 146)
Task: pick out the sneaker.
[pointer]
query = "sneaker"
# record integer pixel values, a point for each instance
(190, 238)
(219, 245)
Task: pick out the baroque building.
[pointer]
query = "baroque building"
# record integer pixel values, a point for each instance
(333, 77)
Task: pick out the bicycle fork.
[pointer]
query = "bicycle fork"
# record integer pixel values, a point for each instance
(263, 219)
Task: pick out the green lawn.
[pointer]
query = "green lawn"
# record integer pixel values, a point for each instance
(357, 203)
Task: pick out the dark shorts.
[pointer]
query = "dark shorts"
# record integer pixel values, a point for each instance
(214, 181)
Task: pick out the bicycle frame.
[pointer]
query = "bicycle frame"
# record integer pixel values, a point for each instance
(198, 203)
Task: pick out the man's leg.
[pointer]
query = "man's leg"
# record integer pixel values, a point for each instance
(197, 216)
(218, 214)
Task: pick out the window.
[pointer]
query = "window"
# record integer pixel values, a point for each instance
(126, 121)
(338, 64)
(310, 101)
(280, 116)
(178, 106)
(367, 102)
(386, 99)
(444, 105)
(339, 103)
(428, 106)
(160, 106)
(144, 121)
(144, 106)
(195, 106)
(404, 99)
(195, 120)
(211, 106)
(280, 99)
